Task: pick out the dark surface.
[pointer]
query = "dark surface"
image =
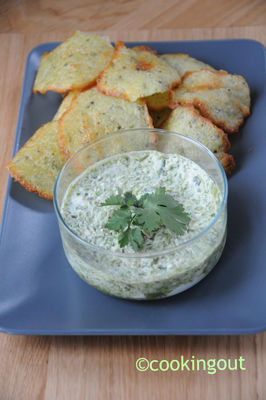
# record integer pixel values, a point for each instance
(39, 292)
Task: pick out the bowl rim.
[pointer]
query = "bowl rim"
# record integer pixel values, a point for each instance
(141, 254)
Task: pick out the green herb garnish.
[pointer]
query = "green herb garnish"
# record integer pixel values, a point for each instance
(137, 219)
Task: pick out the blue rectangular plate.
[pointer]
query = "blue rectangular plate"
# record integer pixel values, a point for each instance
(39, 292)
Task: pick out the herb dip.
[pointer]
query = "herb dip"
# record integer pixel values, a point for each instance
(167, 263)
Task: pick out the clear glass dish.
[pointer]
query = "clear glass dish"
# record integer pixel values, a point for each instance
(108, 271)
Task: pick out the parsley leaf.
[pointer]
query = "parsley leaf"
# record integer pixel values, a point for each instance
(148, 219)
(136, 238)
(136, 219)
(133, 236)
(123, 238)
(171, 219)
(119, 220)
(113, 201)
(130, 199)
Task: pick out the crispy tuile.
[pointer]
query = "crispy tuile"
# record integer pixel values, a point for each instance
(158, 101)
(37, 163)
(133, 74)
(73, 65)
(93, 114)
(221, 97)
(185, 119)
(185, 63)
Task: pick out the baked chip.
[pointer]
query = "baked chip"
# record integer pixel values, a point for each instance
(159, 116)
(66, 103)
(133, 74)
(236, 85)
(74, 64)
(227, 161)
(188, 121)
(215, 104)
(184, 63)
(221, 97)
(37, 163)
(158, 101)
(93, 114)
(144, 48)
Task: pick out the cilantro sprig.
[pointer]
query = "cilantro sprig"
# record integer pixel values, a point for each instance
(137, 219)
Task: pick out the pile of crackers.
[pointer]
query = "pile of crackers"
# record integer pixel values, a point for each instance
(106, 89)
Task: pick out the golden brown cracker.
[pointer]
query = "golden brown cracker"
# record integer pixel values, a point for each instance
(74, 64)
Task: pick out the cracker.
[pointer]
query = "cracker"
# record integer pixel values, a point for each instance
(221, 97)
(37, 163)
(215, 104)
(133, 74)
(184, 63)
(144, 48)
(158, 101)
(188, 121)
(93, 114)
(65, 104)
(227, 161)
(236, 85)
(74, 64)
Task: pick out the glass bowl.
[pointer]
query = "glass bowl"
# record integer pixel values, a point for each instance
(143, 275)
